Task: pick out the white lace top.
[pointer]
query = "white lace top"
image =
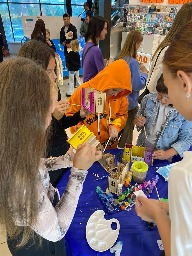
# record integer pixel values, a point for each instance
(53, 223)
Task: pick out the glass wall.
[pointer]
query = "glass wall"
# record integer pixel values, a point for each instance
(12, 10)
(77, 7)
(6, 21)
(52, 10)
(18, 10)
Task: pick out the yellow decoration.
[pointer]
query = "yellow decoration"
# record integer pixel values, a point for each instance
(127, 154)
(83, 134)
(139, 166)
(139, 170)
(138, 151)
(126, 204)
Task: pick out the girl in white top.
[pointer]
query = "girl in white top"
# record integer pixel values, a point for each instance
(183, 16)
(173, 219)
(28, 98)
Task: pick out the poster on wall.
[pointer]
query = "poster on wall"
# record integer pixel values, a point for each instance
(160, 2)
(29, 24)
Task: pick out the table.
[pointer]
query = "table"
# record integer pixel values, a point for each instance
(137, 239)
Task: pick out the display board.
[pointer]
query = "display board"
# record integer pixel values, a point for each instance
(53, 23)
(158, 2)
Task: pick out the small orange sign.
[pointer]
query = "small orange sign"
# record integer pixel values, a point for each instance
(179, 1)
(153, 1)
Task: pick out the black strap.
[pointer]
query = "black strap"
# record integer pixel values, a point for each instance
(155, 64)
(83, 56)
(158, 57)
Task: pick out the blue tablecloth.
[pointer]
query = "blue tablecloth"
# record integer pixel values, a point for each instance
(137, 239)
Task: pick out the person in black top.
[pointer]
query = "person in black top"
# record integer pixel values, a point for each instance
(48, 41)
(68, 33)
(90, 3)
(39, 32)
(1, 47)
(87, 11)
(73, 64)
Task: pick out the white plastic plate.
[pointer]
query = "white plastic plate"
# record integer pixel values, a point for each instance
(99, 234)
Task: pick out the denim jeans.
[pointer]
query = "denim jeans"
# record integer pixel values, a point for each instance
(72, 76)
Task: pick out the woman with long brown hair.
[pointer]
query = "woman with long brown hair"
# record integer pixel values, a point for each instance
(92, 58)
(39, 32)
(173, 219)
(138, 80)
(28, 98)
(43, 55)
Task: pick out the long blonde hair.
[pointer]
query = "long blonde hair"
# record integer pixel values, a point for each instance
(129, 48)
(183, 16)
(24, 106)
(75, 45)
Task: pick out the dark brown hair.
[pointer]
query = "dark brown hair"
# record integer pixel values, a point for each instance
(96, 25)
(66, 15)
(160, 87)
(38, 29)
(24, 106)
(179, 54)
(38, 52)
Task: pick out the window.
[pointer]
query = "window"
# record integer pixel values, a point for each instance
(53, 2)
(24, 1)
(6, 21)
(52, 10)
(77, 10)
(77, 2)
(13, 10)
(18, 10)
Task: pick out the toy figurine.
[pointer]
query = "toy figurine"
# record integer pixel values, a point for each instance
(94, 101)
(127, 152)
(117, 248)
(137, 153)
(148, 156)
